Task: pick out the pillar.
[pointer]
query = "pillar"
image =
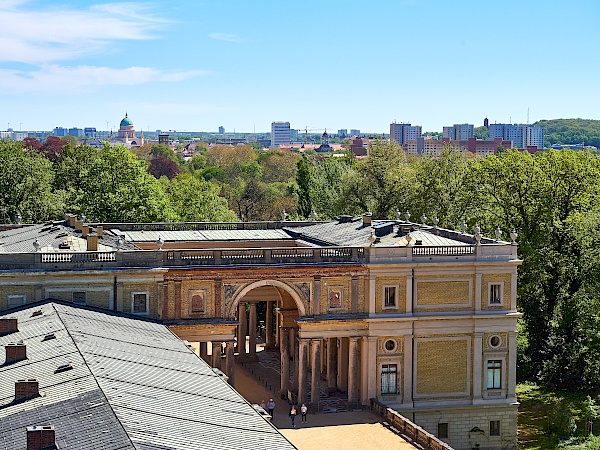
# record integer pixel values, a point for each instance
(342, 367)
(241, 337)
(316, 371)
(285, 361)
(229, 362)
(269, 326)
(407, 361)
(354, 288)
(294, 354)
(252, 331)
(511, 382)
(478, 292)
(303, 371)
(353, 370)
(332, 359)
(203, 351)
(316, 297)
(216, 355)
(477, 366)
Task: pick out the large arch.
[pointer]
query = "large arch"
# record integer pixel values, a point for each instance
(232, 309)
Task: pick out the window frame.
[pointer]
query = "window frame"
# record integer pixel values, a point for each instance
(384, 296)
(443, 426)
(10, 297)
(147, 294)
(492, 285)
(494, 368)
(191, 294)
(84, 302)
(389, 375)
(494, 428)
(341, 291)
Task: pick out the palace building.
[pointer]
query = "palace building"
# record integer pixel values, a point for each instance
(419, 318)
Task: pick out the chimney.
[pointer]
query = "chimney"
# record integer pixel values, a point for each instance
(85, 230)
(100, 230)
(92, 243)
(8, 326)
(367, 219)
(72, 219)
(41, 438)
(15, 352)
(26, 389)
(78, 225)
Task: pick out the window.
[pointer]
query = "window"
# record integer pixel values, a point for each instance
(495, 341)
(389, 297)
(494, 370)
(16, 300)
(390, 345)
(139, 302)
(494, 428)
(197, 298)
(495, 297)
(389, 379)
(442, 430)
(335, 298)
(79, 297)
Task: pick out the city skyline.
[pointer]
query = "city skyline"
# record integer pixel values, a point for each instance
(195, 66)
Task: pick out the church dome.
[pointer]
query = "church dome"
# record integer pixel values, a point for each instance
(126, 122)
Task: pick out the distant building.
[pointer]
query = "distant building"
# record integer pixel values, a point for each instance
(358, 146)
(60, 131)
(324, 147)
(342, 133)
(163, 139)
(403, 132)
(294, 135)
(433, 147)
(280, 133)
(461, 132)
(127, 134)
(90, 131)
(76, 132)
(486, 123)
(354, 132)
(221, 130)
(523, 136)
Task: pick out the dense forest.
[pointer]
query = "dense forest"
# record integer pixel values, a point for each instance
(550, 198)
(571, 131)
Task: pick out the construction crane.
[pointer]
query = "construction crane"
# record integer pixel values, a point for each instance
(306, 130)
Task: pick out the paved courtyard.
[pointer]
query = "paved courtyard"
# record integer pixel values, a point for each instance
(345, 430)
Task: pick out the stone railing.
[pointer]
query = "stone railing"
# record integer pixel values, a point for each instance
(407, 429)
(186, 226)
(447, 250)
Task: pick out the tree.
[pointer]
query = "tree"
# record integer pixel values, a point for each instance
(194, 200)
(32, 143)
(52, 147)
(26, 184)
(161, 166)
(304, 180)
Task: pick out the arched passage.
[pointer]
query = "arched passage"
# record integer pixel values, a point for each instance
(232, 309)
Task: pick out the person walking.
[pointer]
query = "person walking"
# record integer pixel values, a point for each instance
(271, 407)
(303, 411)
(293, 413)
(262, 405)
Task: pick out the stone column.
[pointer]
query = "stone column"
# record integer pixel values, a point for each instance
(316, 297)
(478, 292)
(354, 287)
(316, 371)
(409, 294)
(242, 331)
(294, 354)
(332, 359)
(353, 370)
(252, 331)
(511, 382)
(303, 371)
(342, 367)
(177, 299)
(407, 361)
(477, 366)
(216, 355)
(285, 361)
(230, 362)
(269, 326)
(203, 351)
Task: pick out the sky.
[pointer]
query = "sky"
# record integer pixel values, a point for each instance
(195, 65)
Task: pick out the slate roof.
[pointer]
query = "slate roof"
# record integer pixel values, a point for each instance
(134, 385)
(203, 235)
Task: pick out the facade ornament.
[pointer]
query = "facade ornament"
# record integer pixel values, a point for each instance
(463, 227)
(498, 233)
(372, 238)
(313, 216)
(397, 214)
(407, 215)
(37, 245)
(423, 219)
(283, 215)
(513, 236)
(160, 242)
(435, 221)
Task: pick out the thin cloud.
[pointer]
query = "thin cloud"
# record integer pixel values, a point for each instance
(225, 37)
(55, 78)
(60, 33)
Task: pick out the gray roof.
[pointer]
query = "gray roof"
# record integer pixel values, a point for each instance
(134, 385)
(203, 235)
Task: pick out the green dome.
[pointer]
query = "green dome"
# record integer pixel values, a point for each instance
(126, 122)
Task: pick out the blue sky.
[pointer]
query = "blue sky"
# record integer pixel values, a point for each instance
(192, 65)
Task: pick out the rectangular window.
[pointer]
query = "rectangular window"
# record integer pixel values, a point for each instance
(494, 371)
(389, 379)
(442, 430)
(16, 300)
(495, 294)
(389, 297)
(494, 428)
(197, 298)
(139, 303)
(79, 297)
(335, 298)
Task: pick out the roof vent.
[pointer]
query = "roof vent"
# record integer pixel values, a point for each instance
(49, 337)
(26, 389)
(8, 326)
(63, 368)
(345, 219)
(383, 229)
(41, 438)
(15, 352)
(367, 219)
(418, 242)
(36, 313)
